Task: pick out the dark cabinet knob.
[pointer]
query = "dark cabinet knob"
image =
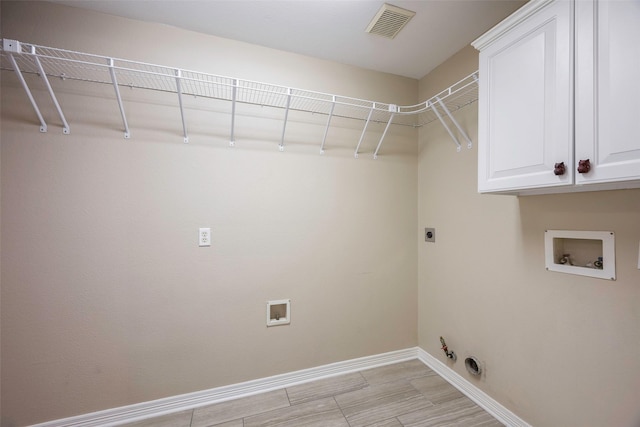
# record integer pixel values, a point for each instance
(584, 166)
(559, 169)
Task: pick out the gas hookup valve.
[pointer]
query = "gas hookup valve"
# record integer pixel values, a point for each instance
(450, 354)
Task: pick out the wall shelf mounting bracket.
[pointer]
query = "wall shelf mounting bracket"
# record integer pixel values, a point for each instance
(234, 96)
(42, 73)
(455, 123)
(179, 91)
(326, 130)
(25, 86)
(286, 117)
(114, 80)
(447, 128)
(364, 130)
(386, 128)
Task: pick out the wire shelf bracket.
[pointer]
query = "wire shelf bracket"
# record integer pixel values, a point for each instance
(364, 130)
(326, 130)
(114, 80)
(42, 73)
(286, 117)
(34, 104)
(447, 128)
(46, 62)
(386, 128)
(234, 93)
(179, 90)
(455, 123)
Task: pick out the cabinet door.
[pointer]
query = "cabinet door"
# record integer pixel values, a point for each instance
(608, 90)
(526, 100)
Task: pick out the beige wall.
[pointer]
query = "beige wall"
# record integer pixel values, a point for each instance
(106, 298)
(0, 250)
(557, 349)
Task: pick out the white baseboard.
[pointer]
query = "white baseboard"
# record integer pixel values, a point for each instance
(482, 399)
(173, 404)
(154, 408)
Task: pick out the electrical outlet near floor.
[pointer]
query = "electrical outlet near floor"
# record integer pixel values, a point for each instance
(204, 237)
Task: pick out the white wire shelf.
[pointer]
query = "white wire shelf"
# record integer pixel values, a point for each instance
(50, 62)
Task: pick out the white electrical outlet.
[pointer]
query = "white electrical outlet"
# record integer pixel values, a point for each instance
(204, 237)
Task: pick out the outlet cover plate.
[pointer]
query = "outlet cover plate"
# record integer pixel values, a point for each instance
(204, 237)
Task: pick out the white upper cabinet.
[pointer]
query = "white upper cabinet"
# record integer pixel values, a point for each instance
(526, 99)
(607, 77)
(529, 107)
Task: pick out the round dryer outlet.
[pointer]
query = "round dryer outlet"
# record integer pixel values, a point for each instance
(473, 366)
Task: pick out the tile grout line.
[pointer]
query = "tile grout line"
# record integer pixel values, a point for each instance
(341, 411)
(288, 398)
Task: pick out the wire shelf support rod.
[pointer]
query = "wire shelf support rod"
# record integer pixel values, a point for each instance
(65, 129)
(234, 95)
(179, 90)
(364, 130)
(34, 104)
(286, 117)
(455, 123)
(326, 130)
(437, 113)
(114, 80)
(375, 154)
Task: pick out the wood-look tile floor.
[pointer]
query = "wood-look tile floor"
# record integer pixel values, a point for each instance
(402, 394)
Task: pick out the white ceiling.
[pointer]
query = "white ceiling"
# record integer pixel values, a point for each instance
(328, 29)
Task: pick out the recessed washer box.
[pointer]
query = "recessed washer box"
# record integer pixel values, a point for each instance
(585, 253)
(278, 312)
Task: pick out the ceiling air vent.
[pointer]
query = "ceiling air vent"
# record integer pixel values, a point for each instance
(389, 21)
